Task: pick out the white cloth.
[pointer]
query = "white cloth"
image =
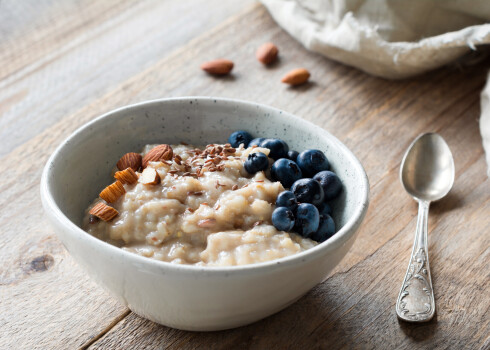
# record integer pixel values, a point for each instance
(485, 121)
(390, 38)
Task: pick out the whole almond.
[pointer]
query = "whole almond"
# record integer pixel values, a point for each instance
(296, 77)
(126, 176)
(130, 160)
(218, 67)
(267, 53)
(103, 211)
(158, 154)
(149, 176)
(112, 192)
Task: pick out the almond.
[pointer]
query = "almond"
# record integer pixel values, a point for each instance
(103, 211)
(112, 192)
(206, 223)
(149, 176)
(296, 77)
(158, 154)
(267, 53)
(126, 176)
(130, 160)
(218, 67)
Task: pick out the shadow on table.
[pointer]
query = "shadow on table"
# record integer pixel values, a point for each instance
(419, 332)
(453, 200)
(314, 322)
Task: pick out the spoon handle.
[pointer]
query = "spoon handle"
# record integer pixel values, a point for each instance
(415, 302)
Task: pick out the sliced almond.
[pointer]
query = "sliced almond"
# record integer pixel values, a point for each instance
(112, 192)
(206, 223)
(149, 176)
(267, 53)
(218, 67)
(158, 154)
(296, 77)
(178, 159)
(126, 176)
(103, 211)
(130, 160)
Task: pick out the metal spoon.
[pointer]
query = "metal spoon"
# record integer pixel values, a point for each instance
(427, 174)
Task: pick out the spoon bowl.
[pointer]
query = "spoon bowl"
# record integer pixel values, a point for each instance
(427, 170)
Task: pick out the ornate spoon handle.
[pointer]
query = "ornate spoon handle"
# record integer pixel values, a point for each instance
(415, 302)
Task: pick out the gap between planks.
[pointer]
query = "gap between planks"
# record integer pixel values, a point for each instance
(105, 330)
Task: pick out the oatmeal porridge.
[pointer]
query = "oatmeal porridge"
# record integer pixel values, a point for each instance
(188, 205)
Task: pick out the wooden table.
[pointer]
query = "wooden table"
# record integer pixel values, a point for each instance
(62, 63)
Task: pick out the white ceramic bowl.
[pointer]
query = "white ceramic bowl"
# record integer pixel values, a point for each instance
(180, 296)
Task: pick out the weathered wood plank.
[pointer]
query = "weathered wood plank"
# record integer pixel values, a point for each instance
(47, 301)
(76, 52)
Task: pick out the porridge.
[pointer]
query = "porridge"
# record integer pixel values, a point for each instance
(222, 217)
(210, 206)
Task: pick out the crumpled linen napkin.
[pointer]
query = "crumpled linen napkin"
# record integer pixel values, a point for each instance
(388, 38)
(485, 121)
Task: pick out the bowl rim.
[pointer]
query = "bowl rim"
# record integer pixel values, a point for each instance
(336, 241)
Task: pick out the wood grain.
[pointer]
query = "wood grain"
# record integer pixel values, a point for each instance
(76, 52)
(51, 302)
(47, 301)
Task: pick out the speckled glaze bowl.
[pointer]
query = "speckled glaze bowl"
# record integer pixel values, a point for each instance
(181, 296)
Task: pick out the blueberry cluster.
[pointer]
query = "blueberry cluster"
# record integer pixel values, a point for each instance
(303, 208)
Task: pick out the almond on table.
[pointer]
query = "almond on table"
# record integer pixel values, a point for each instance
(103, 211)
(112, 192)
(296, 77)
(218, 67)
(267, 53)
(126, 176)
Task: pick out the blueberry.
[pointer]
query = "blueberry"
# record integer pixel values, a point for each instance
(278, 148)
(286, 171)
(286, 199)
(283, 219)
(324, 209)
(308, 191)
(312, 161)
(326, 229)
(330, 182)
(239, 137)
(256, 142)
(307, 219)
(256, 162)
(293, 155)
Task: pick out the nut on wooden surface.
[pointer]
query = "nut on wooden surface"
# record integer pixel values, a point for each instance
(267, 53)
(220, 66)
(296, 77)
